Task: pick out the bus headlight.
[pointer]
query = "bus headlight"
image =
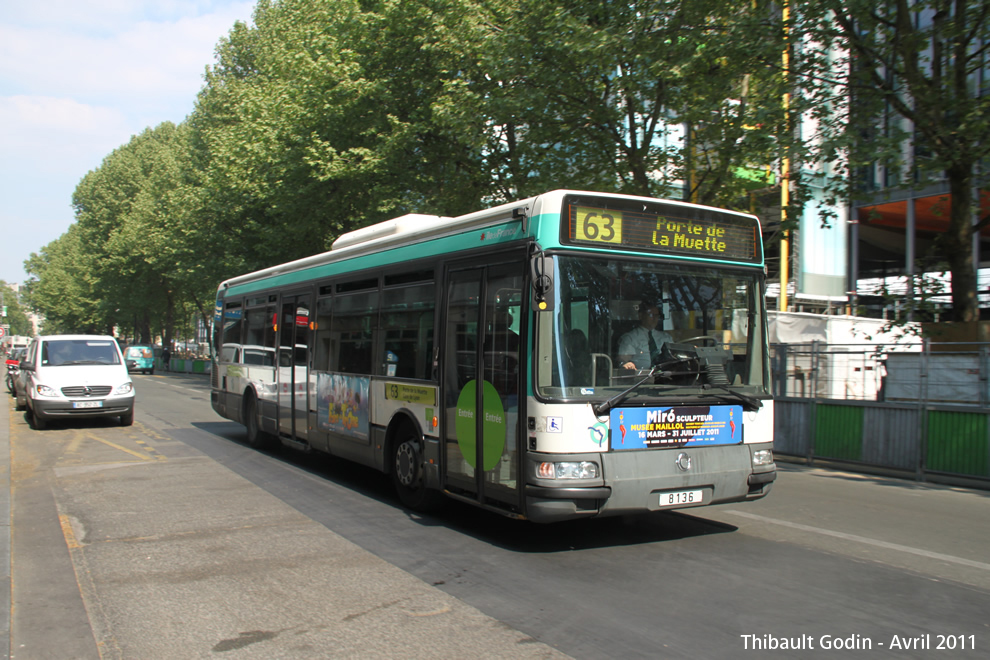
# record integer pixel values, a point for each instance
(762, 457)
(568, 470)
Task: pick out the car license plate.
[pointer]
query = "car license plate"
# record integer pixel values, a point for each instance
(678, 497)
(87, 404)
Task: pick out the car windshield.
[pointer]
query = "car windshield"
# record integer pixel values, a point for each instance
(62, 352)
(614, 321)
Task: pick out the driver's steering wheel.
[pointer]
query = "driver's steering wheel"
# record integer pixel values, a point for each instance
(706, 340)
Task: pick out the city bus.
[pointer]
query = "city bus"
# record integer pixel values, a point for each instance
(477, 357)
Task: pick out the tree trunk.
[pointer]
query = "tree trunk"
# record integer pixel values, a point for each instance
(958, 245)
(144, 328)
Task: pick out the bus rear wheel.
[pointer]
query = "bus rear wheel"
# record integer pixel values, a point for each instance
(255, 436)
(408, 473)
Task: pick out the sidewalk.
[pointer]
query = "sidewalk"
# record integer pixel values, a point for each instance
(176, 556)
(5, 582)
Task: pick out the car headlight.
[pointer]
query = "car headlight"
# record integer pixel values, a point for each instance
(762, 457)
(126, 388)
(568, 470)
(44, 390)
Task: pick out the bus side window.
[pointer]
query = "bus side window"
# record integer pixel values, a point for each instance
(407, 321)
(233, 323)
(259, 337)
(323, 347)
(354, 327)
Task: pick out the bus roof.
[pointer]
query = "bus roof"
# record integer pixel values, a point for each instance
(416, 228)
(411, 228)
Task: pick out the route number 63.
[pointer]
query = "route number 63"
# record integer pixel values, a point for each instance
(599, 225)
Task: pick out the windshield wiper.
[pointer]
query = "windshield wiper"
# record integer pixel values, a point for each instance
(751, 402)
(604, 407)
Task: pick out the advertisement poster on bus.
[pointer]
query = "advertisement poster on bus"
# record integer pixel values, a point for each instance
(342, 404)
(679, 426)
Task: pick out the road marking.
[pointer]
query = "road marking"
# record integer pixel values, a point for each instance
(863, 539)
(70, 536)
(143, 457)
(183, 388)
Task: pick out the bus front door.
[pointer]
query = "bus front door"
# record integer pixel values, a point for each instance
(482, 383)
(293, 366)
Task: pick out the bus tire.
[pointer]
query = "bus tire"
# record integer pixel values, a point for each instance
(408, 473)
(255, 436)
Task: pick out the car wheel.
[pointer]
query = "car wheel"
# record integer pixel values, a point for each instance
(408, 473)
(37, 421)
(127, 419)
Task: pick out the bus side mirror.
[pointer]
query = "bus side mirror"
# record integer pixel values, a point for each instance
(541, 276)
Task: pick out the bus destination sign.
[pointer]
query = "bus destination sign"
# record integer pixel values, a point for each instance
(691, 231)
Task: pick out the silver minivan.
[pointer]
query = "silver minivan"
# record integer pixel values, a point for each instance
(66, 376)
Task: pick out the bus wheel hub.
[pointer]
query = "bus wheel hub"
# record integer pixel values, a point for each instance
(407, 463)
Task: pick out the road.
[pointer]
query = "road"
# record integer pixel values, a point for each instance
(172, 539)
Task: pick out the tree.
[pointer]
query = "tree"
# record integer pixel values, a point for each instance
(329, 115)
(18, 321)
(908, 74)
(64, 287)
(654, 97)
(140, 214)
(321, 119)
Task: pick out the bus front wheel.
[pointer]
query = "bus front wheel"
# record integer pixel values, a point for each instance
(408, 474)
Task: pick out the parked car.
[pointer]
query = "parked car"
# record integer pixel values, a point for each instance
(65, 376)
(140, 358)
(13, 364)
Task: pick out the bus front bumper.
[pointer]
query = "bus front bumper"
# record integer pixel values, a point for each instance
(655, 480)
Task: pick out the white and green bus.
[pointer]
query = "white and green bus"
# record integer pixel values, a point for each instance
(478, 357)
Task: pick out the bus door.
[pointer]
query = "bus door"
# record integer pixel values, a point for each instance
(482, 379)
(293, 365)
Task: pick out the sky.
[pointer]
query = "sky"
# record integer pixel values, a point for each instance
(78, 79)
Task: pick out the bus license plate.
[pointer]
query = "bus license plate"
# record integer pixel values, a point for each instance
(87, 404)
(679, 497)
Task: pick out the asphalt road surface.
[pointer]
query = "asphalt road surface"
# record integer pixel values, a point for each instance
(172, 539)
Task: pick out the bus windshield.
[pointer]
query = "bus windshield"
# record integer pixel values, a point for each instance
(617, 320)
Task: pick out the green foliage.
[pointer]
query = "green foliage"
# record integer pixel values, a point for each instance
(328, 115)
(16, 317)
(596, 95)
(64, 288)
(898, 85)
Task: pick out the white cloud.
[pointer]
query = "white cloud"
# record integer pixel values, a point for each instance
(57, 136)
(144, 61)
(63, 115)
(77, 80)
(106, 17)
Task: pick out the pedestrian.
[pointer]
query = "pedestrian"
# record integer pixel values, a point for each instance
(166, 358)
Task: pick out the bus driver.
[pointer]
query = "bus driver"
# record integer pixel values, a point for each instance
(640, 347)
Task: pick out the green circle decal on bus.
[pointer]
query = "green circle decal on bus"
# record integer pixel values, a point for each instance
(493, 425)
